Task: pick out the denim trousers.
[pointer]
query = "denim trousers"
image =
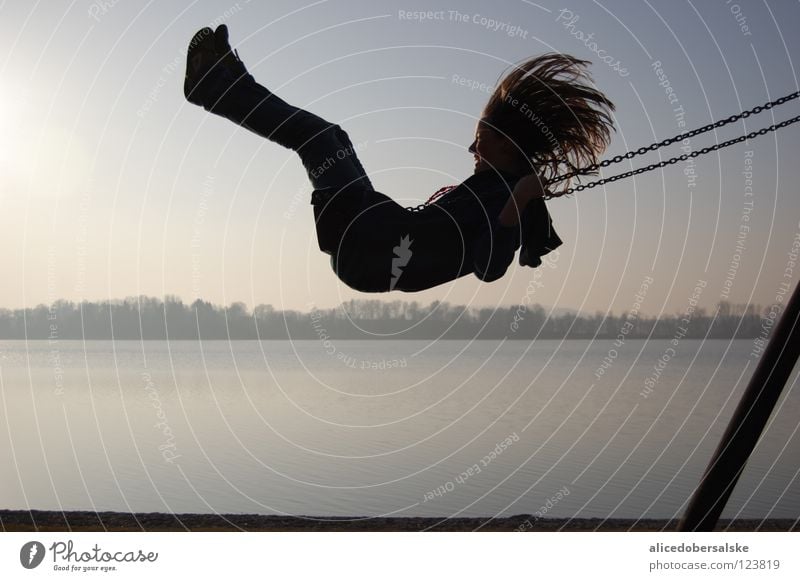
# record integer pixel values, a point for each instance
(324, 148)
(341, 187)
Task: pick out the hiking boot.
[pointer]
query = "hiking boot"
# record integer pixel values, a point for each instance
(227, 56)
(200, 59)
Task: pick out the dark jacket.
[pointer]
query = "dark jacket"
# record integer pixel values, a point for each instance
(376, 245)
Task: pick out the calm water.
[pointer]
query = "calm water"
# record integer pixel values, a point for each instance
(377, 428)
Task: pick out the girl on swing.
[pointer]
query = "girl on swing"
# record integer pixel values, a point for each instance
(542, 116)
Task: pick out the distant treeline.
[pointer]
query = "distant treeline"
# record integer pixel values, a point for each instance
(152, 318)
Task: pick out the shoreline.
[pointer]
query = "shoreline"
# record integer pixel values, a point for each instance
(78, 521)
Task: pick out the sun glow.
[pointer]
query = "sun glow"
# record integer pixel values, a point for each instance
(37, 159)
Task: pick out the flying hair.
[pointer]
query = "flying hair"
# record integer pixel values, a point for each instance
(547, 107)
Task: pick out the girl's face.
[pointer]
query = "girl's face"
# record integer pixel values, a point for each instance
(492, 150)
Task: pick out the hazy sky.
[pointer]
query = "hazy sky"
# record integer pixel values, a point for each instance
(113, 186)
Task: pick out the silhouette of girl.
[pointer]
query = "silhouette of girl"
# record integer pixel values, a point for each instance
(542, 117)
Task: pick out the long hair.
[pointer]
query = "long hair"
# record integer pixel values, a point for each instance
(548, 109)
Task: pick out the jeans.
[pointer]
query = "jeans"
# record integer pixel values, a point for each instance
(370, 237)
(348, 212)
(324, 148)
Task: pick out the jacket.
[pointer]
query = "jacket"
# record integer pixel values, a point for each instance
(376, 245)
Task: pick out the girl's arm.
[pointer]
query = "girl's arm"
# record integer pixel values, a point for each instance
(527, 188)
(494, 251)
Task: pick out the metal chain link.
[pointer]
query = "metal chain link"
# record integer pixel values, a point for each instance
(665, 143)
(682, 157)
(679, 137)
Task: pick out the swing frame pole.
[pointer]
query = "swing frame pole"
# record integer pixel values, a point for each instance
(748, 422)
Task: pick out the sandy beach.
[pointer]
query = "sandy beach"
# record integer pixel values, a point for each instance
(48, 521)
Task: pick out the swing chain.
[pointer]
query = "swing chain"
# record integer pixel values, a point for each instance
(682, 157)
(680, 137)
(659, 144)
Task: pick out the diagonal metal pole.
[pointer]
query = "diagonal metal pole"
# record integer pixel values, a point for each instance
(747, 423)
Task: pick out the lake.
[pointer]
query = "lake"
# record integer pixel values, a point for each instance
(405, 428)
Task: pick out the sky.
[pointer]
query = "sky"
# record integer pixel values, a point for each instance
(112, 185)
